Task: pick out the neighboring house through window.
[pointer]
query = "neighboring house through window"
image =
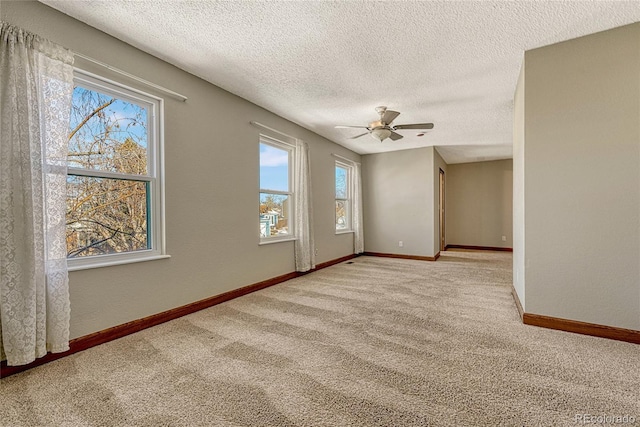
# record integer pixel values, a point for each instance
(276, 193)
(343, 184)
(114, 194)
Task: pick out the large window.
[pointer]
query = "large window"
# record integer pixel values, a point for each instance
(276, 195)
(114, 201)
(344, 174)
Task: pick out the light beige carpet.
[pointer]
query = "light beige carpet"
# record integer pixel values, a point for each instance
(375, 341)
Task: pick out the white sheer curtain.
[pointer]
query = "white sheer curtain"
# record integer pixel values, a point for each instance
(36, 84)
(304, 245)
(358, 233)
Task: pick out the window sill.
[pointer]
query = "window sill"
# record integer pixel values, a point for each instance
(88, 264)
(276, 240)
(344, 232)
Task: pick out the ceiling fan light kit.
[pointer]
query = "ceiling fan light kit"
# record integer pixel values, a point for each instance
(382, 129)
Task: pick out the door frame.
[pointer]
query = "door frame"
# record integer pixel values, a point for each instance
(441, 209)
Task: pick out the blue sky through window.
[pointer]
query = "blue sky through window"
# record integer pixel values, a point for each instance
(129, 119)
(341, 183)
(274, 168)
(107, 133)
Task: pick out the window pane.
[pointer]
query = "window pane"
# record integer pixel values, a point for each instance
(341, 183)
(274, 214)
(105, 216)
(342, 222)
(107, 133)
(274, 168)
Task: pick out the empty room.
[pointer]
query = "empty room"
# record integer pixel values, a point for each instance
(319, 213)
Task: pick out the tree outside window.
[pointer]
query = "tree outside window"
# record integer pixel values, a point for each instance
(111, 182)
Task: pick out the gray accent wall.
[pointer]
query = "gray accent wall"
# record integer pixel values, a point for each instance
(581, 179)
(211, 173)
(479, 204)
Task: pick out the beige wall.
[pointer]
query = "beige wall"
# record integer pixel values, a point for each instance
(582, 179)
(438, 163)
(518, 190)
(479, 204)
(211, 165)
(398, 193)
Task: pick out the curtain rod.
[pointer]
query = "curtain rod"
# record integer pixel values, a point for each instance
(345, 159)
(131, 76)
(260, 125)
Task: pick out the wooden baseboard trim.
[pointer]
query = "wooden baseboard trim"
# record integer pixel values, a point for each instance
(516, 298)
(335, 261)
(402, 256)
(584, 328)
(575, 326)
(82, 343)
(479, 248)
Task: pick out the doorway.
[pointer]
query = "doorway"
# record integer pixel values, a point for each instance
(441, 210)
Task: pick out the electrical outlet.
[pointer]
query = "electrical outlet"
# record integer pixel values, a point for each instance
(316, 251)
(400, 243)
(504, 238)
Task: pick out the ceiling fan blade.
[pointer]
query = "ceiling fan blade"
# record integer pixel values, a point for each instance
(421, 126)
(395, 136)
(350, 127)
(389, 116)
(358, 136)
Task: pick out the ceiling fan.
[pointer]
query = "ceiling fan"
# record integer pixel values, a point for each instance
(383, 129)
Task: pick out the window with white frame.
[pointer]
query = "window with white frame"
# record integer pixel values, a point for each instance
(114, 194)
(276, 190)
(344, 176)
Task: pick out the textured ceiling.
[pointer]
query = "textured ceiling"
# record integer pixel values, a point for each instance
(324, 63)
